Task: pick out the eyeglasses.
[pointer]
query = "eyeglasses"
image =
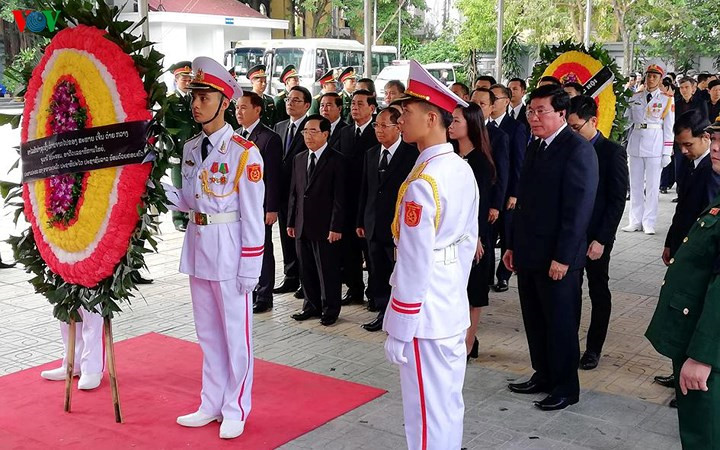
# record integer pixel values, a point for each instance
(310, 132)
(295, 100)
(382, 126)
(541, 112)
(578, 128)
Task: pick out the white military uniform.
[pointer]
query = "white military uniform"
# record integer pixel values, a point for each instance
(89, 356)
(222, 254)
(436, 234)
(651, 138)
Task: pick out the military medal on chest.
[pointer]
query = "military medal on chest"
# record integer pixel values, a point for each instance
(219, 171)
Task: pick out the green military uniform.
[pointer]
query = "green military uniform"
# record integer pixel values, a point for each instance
(280, 111)
(686, 324)
(328, 77)
(315, 105)
(181, 126)
(347, 74)
(268, 116)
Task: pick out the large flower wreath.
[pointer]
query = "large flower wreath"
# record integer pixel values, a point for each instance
(87, 230)
(570, 62)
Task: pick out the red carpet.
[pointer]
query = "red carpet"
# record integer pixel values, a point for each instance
(159, 379)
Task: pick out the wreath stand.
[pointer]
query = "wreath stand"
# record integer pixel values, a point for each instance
(110, 361)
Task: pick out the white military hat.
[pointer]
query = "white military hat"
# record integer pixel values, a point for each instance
(656, 66)
(210, 74)
(424, 86)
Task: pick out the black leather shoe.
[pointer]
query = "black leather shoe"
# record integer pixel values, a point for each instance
(375, 325)
(303, 315)
(589, 360)
(668, 381)
(300, 294)
(262, 306)
(474, 350)
(6, 265)
(288, 285)
(673, 403)
(555, 402)
(140, 280)
(501, 286)
(528, 387)
(350, 298)
(327, 321)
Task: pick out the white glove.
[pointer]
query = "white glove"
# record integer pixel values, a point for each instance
(666, 160)
(394, 350)
(245, 285)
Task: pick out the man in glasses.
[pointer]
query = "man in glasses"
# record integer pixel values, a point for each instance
(548, 246)
(608, 210)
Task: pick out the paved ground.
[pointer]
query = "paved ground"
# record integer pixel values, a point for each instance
(620, 407)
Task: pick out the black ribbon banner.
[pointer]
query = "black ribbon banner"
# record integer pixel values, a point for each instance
(597, 83)
(82, 150)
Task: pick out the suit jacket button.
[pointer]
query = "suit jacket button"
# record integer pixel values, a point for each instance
(702, 224)
(672, 260)
(197, 195)
(685, 240)
(686, 311)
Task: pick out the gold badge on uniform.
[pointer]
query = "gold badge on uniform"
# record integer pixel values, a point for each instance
(254, 173)
(413, 213)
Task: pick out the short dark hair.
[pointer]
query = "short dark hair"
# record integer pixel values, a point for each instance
(522, 82)
(583, 106)
(397, 84)
(703, 77)
(255, 99)
(369, 82)
(492, 94)
(713, 83)
(690, 80)
(669, 83)
(506, 92)
(307, 96)
(336, 96)
(577, 86)
(672, 75)
(692, 120)
(370, 96)
(465, 90)
(324, 123)
(559, 99)
(550, 79)
(394, 114)
(488, 78)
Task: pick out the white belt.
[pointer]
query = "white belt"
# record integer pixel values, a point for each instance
(199, 218)
(449, 254)
(650, 126)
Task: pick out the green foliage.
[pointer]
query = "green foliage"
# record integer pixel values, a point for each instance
(110, 293)
(512, 55)
(19, 71)
(441, 49)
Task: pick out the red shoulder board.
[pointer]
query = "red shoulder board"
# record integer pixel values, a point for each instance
(715, 211)
(254, 172)
(244, 143)
(413, 213)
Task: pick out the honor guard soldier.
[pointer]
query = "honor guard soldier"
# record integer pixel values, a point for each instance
(223, 192)
(349, 82)
(327, 85)
(435, 229)
(686, 324)
(649, 148)
(258, 78)
(181, 126)
(290, 78)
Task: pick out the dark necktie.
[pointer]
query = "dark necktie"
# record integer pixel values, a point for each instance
(542, 147)
(205, 148)
(357, 133)
(245, 134)
(512, 113)
(648, 97)
(492, 124)
(382, 167)
(311, 169)
(289, 136)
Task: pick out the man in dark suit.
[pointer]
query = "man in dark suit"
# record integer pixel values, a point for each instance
(613, 184)
(518, 88)
(249, 113)
(316, 220)
(355, 140)
(548, 245)
(386, 167)
(518, 135)
(297, 104)
(331, 108)
(500, 144)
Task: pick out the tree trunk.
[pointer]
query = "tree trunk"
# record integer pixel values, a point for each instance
(620, 14)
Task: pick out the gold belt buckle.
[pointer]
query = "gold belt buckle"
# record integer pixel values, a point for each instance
(200, 218)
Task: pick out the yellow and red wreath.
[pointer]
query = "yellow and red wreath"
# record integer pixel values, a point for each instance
(83, 222)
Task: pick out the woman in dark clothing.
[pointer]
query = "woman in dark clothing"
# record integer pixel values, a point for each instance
(472, 143)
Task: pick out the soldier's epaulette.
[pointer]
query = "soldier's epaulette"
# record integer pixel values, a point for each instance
(282, 94)
(317, 96)
(244, 143)
(193, 138)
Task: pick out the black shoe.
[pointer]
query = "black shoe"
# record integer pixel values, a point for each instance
(501, 286)
(262, 306)
(555, 402)
(675, 200)
(303, 315)
(663, 190)
(474, 350)
(673, 403)
(327, 321)
(6, 265)
(299, 294)
(288, 285)
(589, 360)
(668, 381)
(140, 280)
(528, 387)
(350, 298)
(375, 325)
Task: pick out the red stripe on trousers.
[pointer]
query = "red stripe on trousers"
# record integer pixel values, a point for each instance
(247, 352)
(422, 394)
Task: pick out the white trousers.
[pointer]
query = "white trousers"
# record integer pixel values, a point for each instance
(223, 323)
(88, 342)
(432, 382)
(644, 190)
